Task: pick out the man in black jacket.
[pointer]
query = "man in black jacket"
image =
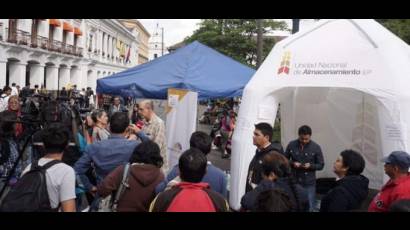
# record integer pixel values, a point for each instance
(262, 137)
(305, 157)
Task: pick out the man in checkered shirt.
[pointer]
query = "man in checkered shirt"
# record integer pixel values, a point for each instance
(154, 128)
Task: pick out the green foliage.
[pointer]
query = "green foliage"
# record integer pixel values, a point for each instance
(400, 27)
(236, 38)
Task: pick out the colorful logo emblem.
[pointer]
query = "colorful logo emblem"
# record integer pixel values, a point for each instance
(285, 63)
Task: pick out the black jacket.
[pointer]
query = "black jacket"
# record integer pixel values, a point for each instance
(311, 153)
(255, 167)
(248, 201)
(349, 193)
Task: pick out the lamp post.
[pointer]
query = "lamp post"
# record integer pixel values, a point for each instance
(162, 45)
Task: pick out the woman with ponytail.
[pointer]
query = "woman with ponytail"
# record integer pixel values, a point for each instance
(276, 175)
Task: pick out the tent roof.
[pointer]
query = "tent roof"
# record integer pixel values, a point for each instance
(195, 67)
(352, 53)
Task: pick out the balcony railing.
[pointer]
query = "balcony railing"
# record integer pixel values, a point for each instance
(19, 37)
(69, 49)
(56, 46)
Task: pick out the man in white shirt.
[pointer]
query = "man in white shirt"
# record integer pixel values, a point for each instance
(60, 178)
(4, 98)
(14, 90)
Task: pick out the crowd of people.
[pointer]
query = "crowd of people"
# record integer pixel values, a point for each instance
(113, 159)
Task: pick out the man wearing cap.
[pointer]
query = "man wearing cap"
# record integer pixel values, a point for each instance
(398, 187)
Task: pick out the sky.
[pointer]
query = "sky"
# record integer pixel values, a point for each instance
(175, 30)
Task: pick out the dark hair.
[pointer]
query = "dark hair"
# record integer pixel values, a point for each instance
(279, 165)
(7, 119)
(6, 88)
(147, 152)
(97, 114)
(402, 205)
(55, 137)
(353, 161)
(305, 130)
(119, 122)
(192, 165)
(273, 200)
(13, 84)
(201, 141)
(265, 128)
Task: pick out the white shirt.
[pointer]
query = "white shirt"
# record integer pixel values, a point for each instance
(60, 179)
(14, 91)
(4, 102)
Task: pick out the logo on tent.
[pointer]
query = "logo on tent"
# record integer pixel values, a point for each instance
(285, 63)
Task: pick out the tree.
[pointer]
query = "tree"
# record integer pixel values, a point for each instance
(236, 38)
(400, 27)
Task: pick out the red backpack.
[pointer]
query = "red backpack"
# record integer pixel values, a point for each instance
(190, 197)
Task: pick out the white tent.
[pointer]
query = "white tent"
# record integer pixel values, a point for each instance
(347, 79)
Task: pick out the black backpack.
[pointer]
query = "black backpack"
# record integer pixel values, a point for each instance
(30, 193)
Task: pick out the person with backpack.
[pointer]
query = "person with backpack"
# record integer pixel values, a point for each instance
(106, 155)
(143, 175)
(214, 176)
(190, 195)
(47, 184)
(276, 174)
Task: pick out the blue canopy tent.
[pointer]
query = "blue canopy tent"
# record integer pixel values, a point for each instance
(195, 67)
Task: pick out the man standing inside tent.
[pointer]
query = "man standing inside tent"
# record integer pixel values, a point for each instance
(305, 157)
(154, 128)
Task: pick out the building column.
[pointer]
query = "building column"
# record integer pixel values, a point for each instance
(17, 71)
(52, 77)
(64, 77)
(109, 46)
(3, 72)
(75, 76)
(36, 74)
(92, 80)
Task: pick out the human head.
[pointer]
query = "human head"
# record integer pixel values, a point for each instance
(396, 164)
(146, 109)
(273, 200)
(17, 86)
(89, 120)
(275, 165)
(192, 165)
(262, 134)
(136, 107)
(147, 152)
(99, 116)
(305, 132)
(63, 88)
(349, 163)
(7, 90)
(55, 138)
(13, 84)
(201, 141)
(117, 100)
(36, 86)
(119, 122)
(14, 103)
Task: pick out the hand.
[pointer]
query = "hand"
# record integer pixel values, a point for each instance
(134, 128)
(93, 190)
(297, 164)
(306, 166)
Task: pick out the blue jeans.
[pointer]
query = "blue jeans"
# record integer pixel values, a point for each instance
(311, 191)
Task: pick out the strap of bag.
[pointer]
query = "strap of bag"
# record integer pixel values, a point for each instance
(124, 184)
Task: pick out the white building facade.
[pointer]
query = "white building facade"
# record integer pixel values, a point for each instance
(156, 45)
(59, 52)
